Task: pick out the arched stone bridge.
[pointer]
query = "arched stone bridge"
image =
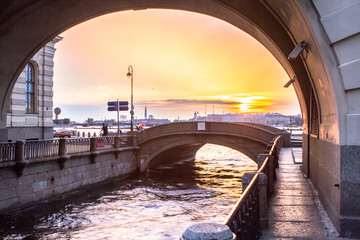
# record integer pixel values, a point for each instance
(177, 141)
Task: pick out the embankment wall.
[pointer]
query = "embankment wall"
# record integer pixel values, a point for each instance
(45, 178)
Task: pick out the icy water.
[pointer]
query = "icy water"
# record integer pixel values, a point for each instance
(158, 206)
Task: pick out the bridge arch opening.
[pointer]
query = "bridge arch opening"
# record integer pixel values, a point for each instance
(202, 60)
(218, 162)
(192, 151)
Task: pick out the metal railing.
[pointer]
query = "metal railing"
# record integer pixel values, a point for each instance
(41, 148)
(77, 145)
(47, 148)
(244, 219)
(7, 152)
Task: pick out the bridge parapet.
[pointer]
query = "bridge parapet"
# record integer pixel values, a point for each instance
(251, 131)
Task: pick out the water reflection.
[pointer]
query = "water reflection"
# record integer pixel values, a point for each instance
(160, 206)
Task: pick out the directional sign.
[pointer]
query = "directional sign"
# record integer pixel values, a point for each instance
(120, 108)
(113, 106)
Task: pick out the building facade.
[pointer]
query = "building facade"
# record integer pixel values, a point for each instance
(29, 115)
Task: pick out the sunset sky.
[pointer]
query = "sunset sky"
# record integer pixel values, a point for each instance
(183, 62)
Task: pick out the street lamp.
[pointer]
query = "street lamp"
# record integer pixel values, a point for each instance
(130, 74)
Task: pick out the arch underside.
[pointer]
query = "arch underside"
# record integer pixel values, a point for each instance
(42, 22)
(27, 25)
(165, 151)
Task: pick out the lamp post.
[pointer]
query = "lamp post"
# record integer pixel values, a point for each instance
(130, 74)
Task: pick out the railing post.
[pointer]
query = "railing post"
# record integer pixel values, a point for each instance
(270, 170)
(271, 174)
(62, 147)
(263, 200)
(93, 144)
(62, 153)
(275, 154)
(261, 158)
(21, 163)
(117, 142)
(263, 196)
(93, 149)
(132, 140)
(246, 179)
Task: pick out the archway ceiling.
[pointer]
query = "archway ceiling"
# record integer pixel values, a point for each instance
(25, 26)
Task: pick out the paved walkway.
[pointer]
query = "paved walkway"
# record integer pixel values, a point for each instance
(294, 211)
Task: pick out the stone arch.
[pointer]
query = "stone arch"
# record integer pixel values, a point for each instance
(180, 147)
(268, 30)
(325, 74)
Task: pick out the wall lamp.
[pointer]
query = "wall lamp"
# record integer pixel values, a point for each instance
(291, 81)
(297, 50)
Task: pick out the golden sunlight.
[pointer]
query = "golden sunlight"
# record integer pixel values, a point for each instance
(182, 62)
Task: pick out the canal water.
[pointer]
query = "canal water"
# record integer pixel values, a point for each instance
(159, 206)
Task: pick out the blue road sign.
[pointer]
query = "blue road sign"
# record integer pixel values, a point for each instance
(113, 106)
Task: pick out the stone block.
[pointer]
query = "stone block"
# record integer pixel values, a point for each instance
(351, 74)
(39, 186)
(7, 193)
(208, 231)
(26, 198)
(24, 189)
(41, 168)
(62, 189)
(350, 199)
(8, 183)
(349, 227)
(42, 176)
(326, 7)
(350, 163)
(8, 203)
(338, 24)
(348, 49)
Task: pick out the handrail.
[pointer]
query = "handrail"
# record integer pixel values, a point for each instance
(244, 218)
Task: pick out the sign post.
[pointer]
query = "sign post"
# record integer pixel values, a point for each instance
(118, 130)
(118, 106)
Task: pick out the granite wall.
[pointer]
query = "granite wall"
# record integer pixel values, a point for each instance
(43, 178)
(334, 171)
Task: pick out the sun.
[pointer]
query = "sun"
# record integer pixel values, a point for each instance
(244, 107)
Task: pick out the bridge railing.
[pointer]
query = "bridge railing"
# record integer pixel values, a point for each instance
(77, 145)
(7, 152)
(245, 218)
(40, 148)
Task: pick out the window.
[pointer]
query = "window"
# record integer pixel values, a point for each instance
(314, 114)
(30, 88)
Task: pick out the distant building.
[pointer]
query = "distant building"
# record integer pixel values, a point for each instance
(90, 121)
(145, 117)
(30, 111)
(271, 119)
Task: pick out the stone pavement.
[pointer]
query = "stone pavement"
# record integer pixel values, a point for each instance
(294, 210)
